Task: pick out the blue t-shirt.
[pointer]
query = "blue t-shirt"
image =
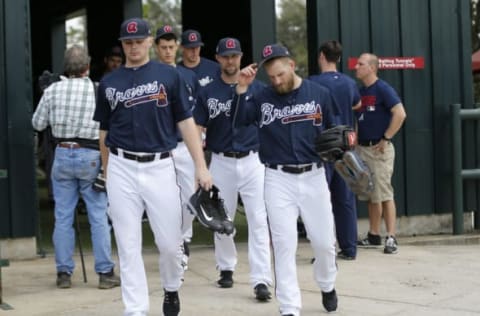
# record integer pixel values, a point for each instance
(288, 124)
(344, 92)
(213, 111)
(139, 107)
(374, 116)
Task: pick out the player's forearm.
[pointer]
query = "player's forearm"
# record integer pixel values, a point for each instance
(398, 117)
(191, 137)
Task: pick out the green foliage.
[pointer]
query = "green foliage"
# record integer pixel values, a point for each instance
(162, 12)
(292, 31)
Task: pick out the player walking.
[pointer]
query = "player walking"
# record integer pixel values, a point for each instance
(346, 96)
(235, 168)
(290, 114)
(138, 107)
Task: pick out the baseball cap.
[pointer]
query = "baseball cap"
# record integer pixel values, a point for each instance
(134, 28)
(114, 51)
(228, 46)
(164, 30)
(191, 38)
(273, 51)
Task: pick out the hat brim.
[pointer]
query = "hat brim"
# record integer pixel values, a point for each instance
(191, 45)
(263, 61)
(132, 37)
(230, 52)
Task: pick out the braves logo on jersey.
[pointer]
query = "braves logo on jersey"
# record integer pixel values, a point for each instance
(291, 114)
(215, 107)
(140, 94)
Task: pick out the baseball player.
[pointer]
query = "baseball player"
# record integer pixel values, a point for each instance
(166, 47)
(139, 107)
(205, 69)
(345, 94)
(290, 115)
(235, 168)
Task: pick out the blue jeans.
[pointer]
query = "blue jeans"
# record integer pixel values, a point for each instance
(73, 172)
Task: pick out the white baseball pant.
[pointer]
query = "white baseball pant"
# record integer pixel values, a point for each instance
(133, 187)
(244, 176)
(288, 196)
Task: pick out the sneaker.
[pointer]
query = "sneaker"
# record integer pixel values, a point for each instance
(226, 279)
(370, 240)
(330, 300)
(345, 256)
(108, 280)
(171, 303)
(390, 245)
(185, 256)
(262, 293)
(64, 280)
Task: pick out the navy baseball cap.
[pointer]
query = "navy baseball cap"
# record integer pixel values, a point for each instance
(134, 28)
(228, 46)
(164, 30)
(191, 38)
(273, 51)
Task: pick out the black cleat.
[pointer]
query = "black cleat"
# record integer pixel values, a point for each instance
(226, 279)
(171, 304)
(262, 293)
(330, 300)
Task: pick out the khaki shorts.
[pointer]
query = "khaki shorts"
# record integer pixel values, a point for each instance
(381, 166)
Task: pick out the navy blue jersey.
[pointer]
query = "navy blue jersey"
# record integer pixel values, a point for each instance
(288, 124)
(206, 70)
(213, 111)
(191, 82)
(374, 116)
(139, 107)
(344, 92)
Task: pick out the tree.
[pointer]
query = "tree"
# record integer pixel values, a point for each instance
(162, 12)
(292, 31)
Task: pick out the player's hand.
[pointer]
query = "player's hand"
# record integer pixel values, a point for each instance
(204, 178)
(247, 75)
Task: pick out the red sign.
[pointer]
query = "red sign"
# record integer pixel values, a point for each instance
(393, 62)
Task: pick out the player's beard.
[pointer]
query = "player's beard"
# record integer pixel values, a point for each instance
(287, 86)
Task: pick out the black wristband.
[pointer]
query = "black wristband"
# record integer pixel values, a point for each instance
(386, 138)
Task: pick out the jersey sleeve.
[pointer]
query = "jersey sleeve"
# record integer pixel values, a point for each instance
(181, 103)
(200, 112)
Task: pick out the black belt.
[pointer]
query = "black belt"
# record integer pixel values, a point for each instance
(293, 169)
(235, 154)
(71, 145)
(139, 158)
(369, 143)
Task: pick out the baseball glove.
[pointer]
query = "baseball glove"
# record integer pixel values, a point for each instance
(332, 143)
(356, 173)
(99, 183)
(210, 210)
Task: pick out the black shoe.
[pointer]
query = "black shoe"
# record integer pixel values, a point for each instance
(262, 293)
(370, 241)
(344, 256)
(171, 303)
(330, 300)
(226, 279)
(64, 280)
(108, 280)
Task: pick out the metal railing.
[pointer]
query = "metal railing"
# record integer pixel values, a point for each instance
(458, 173)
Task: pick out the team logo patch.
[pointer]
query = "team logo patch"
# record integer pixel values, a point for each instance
(267, 51)
(230, 43)
(132, 27)
(192, 37)
(167, 29)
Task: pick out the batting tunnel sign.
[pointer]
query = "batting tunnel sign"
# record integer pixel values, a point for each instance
(393, 63)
